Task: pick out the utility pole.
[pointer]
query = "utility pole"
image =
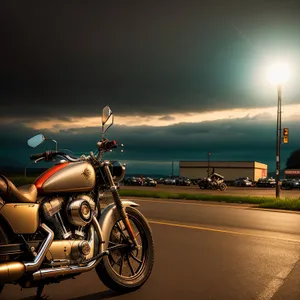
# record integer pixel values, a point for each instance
(208, 163)
(278, 141)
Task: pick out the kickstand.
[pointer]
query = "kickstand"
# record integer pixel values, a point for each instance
(39, 292)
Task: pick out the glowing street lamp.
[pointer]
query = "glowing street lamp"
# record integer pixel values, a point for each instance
(278, 75)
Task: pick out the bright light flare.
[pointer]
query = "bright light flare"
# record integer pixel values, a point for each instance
(279, 73)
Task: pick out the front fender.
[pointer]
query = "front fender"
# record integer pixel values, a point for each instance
(109, 217)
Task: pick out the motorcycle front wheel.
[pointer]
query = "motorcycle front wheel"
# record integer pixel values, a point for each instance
(223, 186)
(126, 269)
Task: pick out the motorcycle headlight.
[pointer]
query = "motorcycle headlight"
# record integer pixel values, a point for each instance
(117, 171)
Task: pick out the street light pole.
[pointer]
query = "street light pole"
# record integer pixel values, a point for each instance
(278, 141)
(278, 75)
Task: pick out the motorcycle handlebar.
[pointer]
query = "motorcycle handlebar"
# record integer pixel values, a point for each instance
(111, 144)
(37, 156)
(50, 154)
(106, 145)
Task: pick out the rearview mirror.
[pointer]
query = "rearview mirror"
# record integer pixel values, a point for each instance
(107, 119)
(36, 140)
(106, 113)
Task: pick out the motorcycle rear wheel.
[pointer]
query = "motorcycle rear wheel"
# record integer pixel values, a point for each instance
(115, 278)
(202, 185)
(3, 241)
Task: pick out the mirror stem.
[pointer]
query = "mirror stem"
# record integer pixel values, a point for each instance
(55, 144)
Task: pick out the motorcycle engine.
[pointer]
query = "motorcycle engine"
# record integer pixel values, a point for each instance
(79, 211)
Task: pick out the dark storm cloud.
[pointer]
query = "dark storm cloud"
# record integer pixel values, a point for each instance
(238, 139)
(139, 57)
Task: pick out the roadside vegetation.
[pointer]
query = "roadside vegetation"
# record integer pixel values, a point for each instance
(263, 202)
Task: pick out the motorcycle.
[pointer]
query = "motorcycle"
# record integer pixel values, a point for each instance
(55, 229)
(214, 181)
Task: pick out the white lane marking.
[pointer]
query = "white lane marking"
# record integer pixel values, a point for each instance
(220, 204)
(276, 283)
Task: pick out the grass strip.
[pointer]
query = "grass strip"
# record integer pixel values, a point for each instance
(263, 202)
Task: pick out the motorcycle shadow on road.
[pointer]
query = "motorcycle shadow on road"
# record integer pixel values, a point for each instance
(101, 295)
(97, 296)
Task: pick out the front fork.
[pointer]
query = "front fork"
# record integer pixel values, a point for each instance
(119, 204)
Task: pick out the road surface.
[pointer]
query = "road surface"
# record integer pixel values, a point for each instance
(205, 251)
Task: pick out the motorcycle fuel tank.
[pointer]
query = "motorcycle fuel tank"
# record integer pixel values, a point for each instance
(67, 177)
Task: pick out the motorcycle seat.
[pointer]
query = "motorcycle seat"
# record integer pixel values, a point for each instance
(22, 194)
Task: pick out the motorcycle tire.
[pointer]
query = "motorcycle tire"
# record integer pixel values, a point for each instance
(115, 280)
(202, 186)
(3, 241)
(223, 187)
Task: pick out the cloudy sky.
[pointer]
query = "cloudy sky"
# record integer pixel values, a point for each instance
(182, 78)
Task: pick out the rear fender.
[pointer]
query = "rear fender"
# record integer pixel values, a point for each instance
(109, 217)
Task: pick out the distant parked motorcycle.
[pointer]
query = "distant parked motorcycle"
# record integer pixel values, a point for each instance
(214, 182)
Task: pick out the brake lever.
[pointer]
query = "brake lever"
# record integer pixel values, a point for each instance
(41, 158)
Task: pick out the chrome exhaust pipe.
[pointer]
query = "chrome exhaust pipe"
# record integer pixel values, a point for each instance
(66, 271)
(34, 265)
(63, 271)
(13, 270)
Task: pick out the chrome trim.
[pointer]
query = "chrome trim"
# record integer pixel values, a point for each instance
(54, 272)
(99, 233)
(109, 216)
(33, 266)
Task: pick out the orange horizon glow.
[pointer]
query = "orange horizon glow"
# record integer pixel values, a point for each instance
(56, 125)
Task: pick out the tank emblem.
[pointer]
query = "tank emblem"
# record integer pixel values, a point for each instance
(86, 173)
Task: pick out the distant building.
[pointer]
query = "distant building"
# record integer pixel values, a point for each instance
(231, 170)
(292, 173)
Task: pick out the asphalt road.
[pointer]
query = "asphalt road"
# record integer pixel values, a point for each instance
(238, 191)
(205, 251)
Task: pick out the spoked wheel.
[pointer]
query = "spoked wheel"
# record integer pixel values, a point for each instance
(223, 186)
(3, 241)
(127, 268)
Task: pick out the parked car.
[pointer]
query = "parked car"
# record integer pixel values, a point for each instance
(289, 184)
(243, 181)
(195, 181)
(149, 181)
(133, 181)
(266, 182)
(160, 180)
(183, 181)
(170, 181)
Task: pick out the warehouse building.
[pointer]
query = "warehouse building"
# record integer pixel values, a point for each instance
(291, 173)
(231, 170)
